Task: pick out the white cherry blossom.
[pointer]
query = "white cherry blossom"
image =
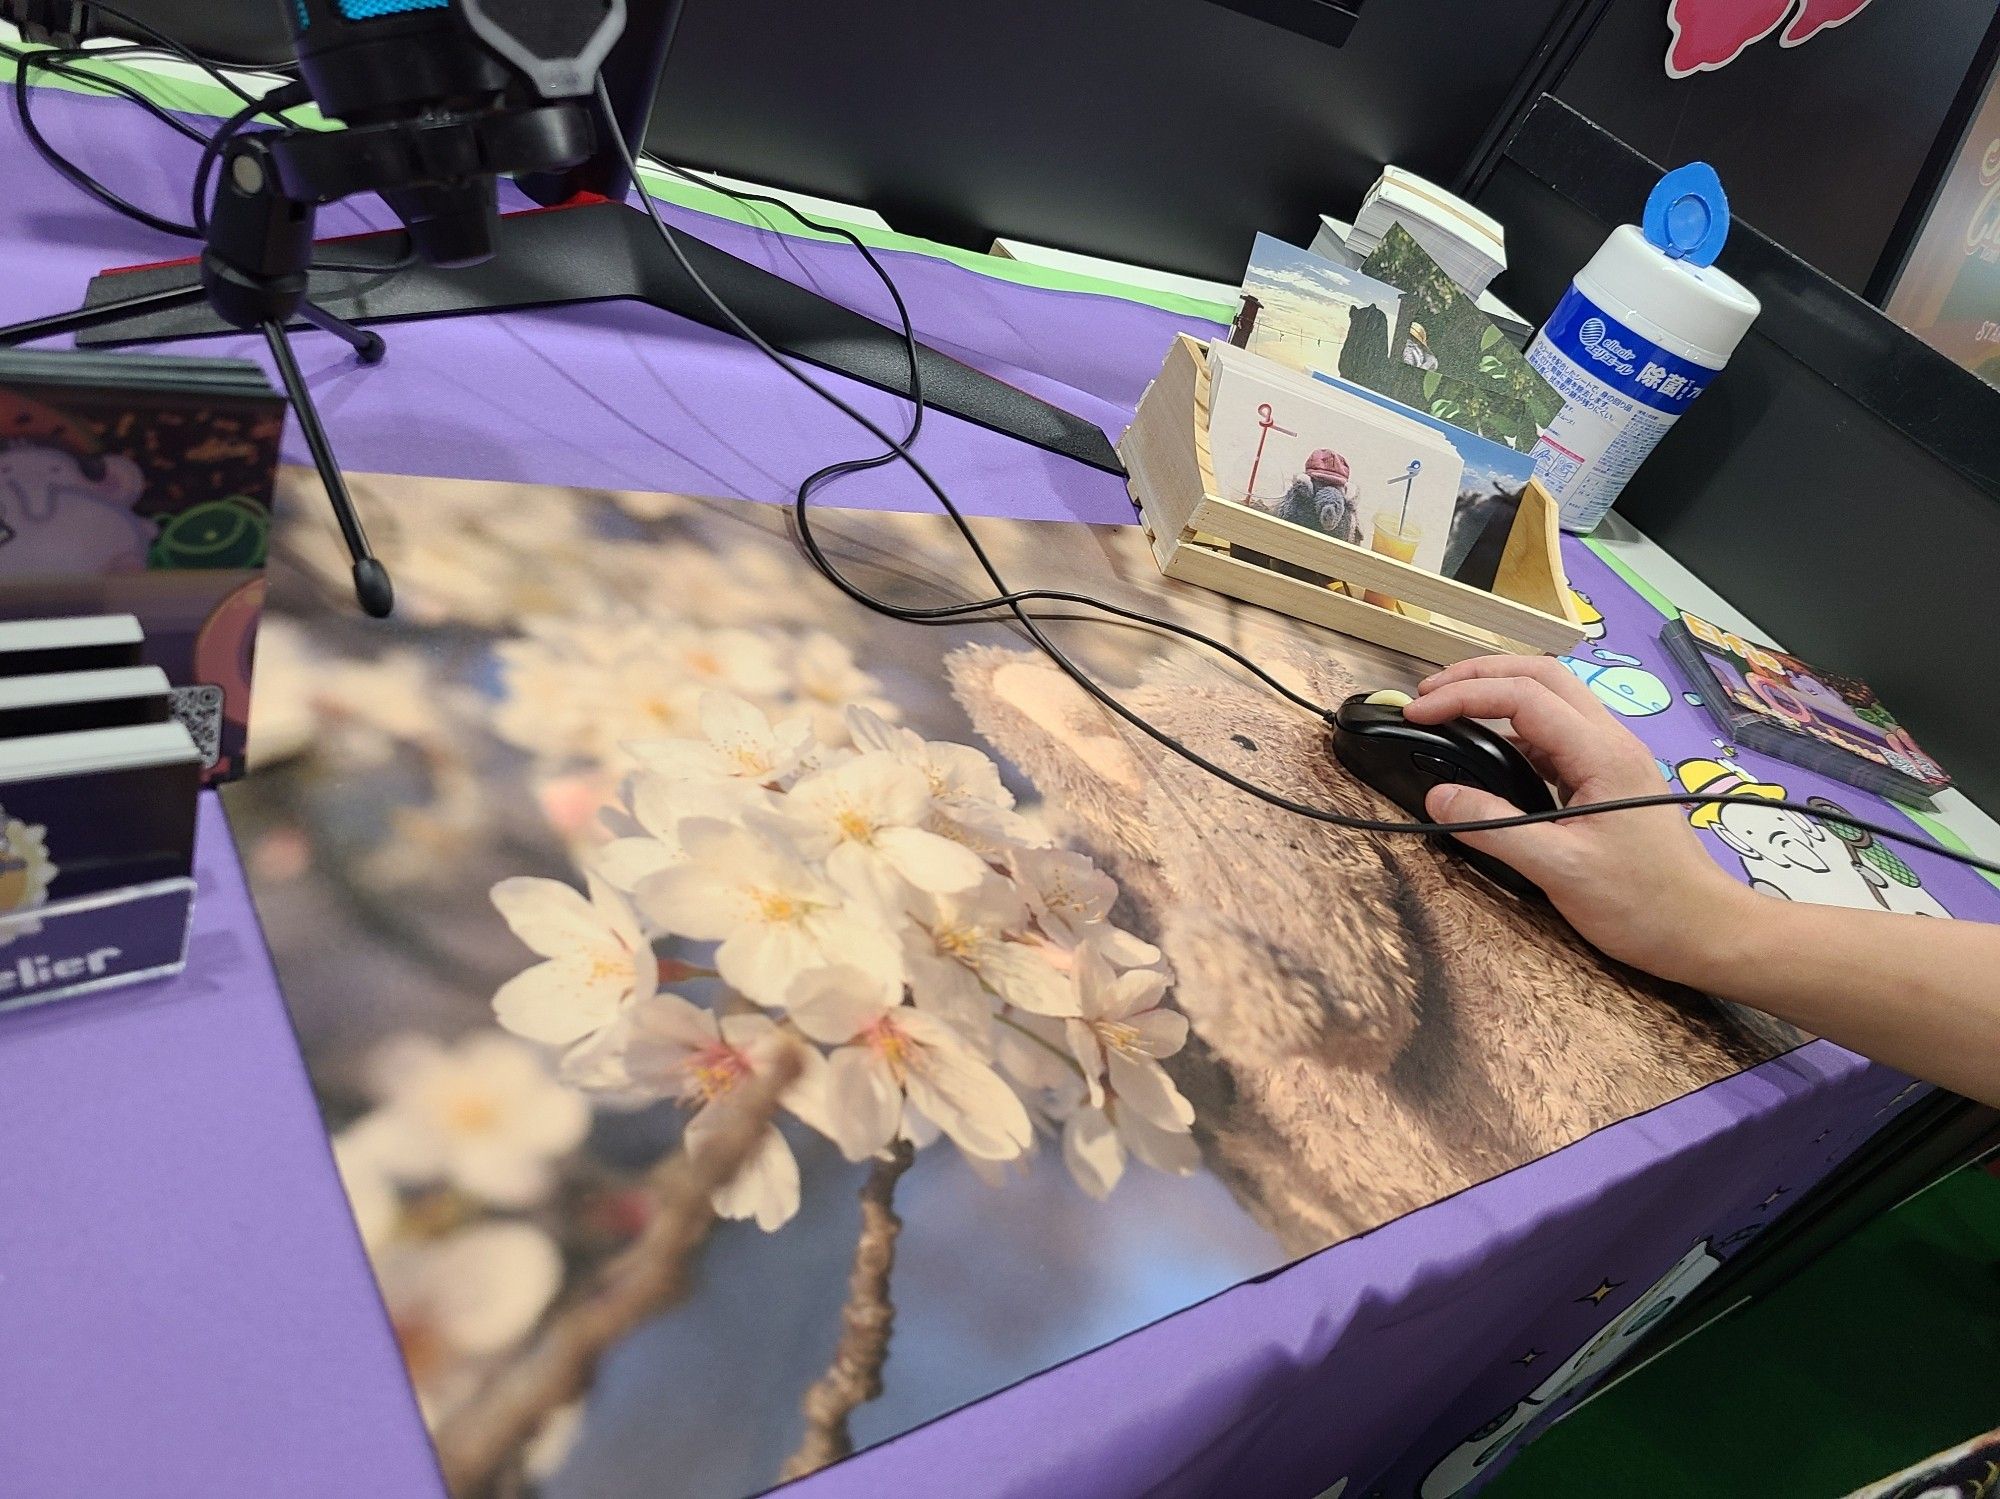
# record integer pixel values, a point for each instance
(892, 1058)
(957, 952)
(1097, 1141)
(1120, 1034)
(773, 914)
(865, 820)
(669, 1048)
(597, 959)
(739, 742)
(1067, 893)
(483, 1116)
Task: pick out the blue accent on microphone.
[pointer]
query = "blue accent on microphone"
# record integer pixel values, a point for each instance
(371, 10)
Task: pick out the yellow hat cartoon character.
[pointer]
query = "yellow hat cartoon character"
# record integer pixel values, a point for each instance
(1588, 615)
(1712, 778)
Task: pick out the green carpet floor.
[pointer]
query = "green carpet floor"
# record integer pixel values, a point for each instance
(1886, 1350)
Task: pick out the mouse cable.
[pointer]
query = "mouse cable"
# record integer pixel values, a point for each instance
(1030, 623)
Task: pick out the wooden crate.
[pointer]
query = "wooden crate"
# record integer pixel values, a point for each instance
(1529, 611)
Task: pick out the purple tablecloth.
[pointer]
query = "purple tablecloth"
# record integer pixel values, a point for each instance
(184, 1307)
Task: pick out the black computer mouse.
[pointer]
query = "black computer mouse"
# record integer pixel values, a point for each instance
(1403, 760)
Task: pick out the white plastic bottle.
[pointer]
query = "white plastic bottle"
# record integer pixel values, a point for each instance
(1641, 332)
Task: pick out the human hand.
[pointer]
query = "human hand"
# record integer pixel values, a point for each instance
(1636, 884)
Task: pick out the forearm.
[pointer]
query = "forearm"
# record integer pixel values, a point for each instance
(1915, 992)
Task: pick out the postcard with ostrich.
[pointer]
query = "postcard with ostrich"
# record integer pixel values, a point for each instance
(671, 939)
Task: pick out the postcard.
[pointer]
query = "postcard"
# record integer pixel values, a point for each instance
(1489, 491)
(1445, 356)
(1304, 310)
(1330, 459)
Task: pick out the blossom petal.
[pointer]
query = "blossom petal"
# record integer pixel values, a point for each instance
(1026, 980)
(1089, 1054)
(834, 1005)
(930, 862)
(693, 900)
(1142, 1085)
(560, 1001)
(1161, 1032)
(963, 1096)
(626, 863)
(1093, 1152)
(864, 1105)
(1171, 1151)
(766, 1188)
(552, 918)
(489, 1285)
(762, 962)
(1133, 992)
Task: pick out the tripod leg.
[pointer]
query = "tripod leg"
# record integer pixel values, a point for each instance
(371, 579)
(103, 312)
(367, 345)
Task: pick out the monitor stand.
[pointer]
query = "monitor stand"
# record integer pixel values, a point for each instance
(590, 246)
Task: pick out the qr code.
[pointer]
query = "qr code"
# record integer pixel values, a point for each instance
(200, 709)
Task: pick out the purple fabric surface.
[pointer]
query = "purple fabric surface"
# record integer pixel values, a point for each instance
(185, 1308)
(1370, 1360)
(173, 1249)
(616, 395)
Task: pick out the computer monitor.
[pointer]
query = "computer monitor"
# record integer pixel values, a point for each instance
(1162, 132)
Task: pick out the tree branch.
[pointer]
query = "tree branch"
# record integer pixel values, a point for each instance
(855, 1375)
(478, 1439)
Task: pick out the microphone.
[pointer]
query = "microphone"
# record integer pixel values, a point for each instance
(440, 98)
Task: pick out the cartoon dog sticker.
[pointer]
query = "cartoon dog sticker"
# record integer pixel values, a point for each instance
(1481, 1449)
(1794, 857)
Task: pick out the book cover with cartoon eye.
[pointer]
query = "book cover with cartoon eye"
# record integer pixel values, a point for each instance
(143, 485)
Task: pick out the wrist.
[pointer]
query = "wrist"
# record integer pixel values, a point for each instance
(1736, 935)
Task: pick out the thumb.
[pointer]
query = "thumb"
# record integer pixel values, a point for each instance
(1531, 850)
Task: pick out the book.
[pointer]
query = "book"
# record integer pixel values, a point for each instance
(141, 485)
(1446, 356)
(1491, 480)
(1305, 312)
(95, 642)
(1822, 720)
(72, 701)
(1329, 460)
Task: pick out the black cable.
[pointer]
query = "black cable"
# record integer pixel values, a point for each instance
(63, 61)
(24, 64)
(1089, 684)
(961, 613)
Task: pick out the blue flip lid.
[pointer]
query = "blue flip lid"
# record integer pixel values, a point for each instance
(1687, 214)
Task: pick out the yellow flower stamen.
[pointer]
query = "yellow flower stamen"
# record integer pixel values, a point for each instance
(776, 906)
(892, 1046)
(1115, 1035)
(712, 1072)
(959, 942)
(854, 826)
(471, 1114)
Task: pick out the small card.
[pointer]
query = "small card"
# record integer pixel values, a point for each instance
(1305, 312)
(1446, 357)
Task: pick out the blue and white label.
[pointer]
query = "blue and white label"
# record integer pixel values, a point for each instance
(1621, 392)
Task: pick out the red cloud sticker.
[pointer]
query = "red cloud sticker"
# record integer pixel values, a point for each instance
(1710, 34)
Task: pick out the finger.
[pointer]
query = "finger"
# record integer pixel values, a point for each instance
(1538, 852)
(1556, 730)
(1550, 672)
